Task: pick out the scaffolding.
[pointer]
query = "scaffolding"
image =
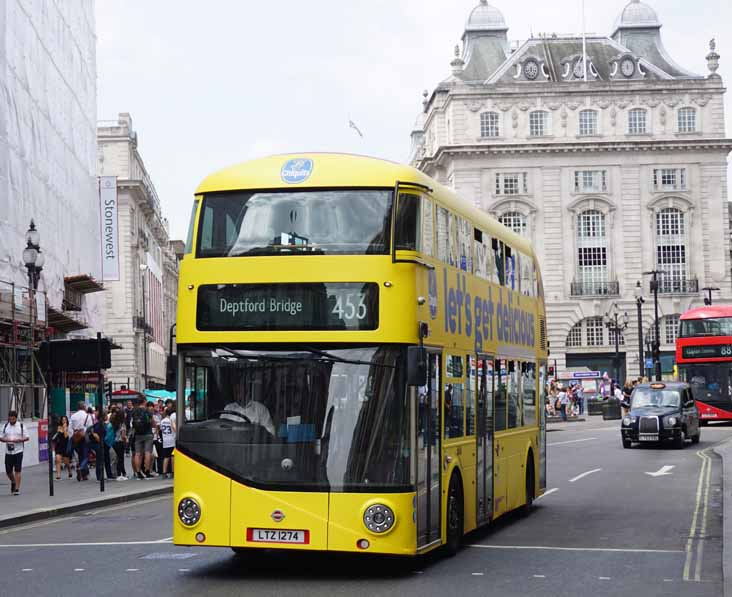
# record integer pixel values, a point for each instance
(23, 326)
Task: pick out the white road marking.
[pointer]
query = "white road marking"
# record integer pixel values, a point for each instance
(539, 576)
(547, 492)
(598, 549)
(572, 441)
(78, 570)
(83, 544)
(664, 470)
(27, 570)
(668, 580)
(478, 573)
(133, 570)
(417, 572)
(184, 569)
(603, 578)
(580, 476)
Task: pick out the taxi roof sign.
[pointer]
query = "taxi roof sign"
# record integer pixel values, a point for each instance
(658, 386)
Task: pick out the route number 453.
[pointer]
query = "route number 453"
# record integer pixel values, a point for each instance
(350, 306)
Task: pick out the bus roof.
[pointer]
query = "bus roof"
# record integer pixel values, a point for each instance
(354, 171)
(707, 312)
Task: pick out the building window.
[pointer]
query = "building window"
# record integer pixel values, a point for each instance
(621, 338)
(538, 123)
(687, 120)
(637, 121)
(588, 122)
(511, 183)
(574, 338)
(595, 335)
(592, 261)
(514, 221)
(671, 250)
(669, 179)
(489, 124)
(671, 325)
(590, 181)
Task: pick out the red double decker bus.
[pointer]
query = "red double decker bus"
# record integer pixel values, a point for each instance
(704, 359)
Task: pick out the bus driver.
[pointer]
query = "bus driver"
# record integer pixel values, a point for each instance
(252, 410)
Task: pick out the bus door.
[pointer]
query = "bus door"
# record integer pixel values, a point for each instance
(428, 454)
(500, 460)
(484, 468)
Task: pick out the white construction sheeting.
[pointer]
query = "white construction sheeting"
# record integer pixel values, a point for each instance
(48, 143)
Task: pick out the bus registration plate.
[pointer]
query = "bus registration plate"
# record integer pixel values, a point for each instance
(278, 536)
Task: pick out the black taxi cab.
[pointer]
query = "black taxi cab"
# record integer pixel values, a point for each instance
(661, 411)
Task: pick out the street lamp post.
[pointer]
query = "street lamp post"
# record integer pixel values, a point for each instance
(639, 300)
(708, 298)
(33, 258)
(616, 323)
(657, 339)
(143, 268)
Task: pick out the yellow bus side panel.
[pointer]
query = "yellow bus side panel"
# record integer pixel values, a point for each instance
(346, 523)
(212, 492)
(253, 508)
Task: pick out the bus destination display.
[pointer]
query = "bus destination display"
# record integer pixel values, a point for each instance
(705, 351)
(303, 306)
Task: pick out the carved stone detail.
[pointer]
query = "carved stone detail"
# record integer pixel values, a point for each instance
(554, 105)
(701, 100)
(474, 105)
(523, 106)
(602, 103)
(672, 101)
(662, 113)
(503, 106)
(573, 105)
(514, 119)
(563, 116)
(613, 116)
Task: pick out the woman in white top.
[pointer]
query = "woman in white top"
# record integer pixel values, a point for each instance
(167, 433)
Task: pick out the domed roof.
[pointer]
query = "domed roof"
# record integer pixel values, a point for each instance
(485, 17)
(637, 14)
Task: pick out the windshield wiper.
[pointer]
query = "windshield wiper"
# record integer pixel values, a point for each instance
(336, 359)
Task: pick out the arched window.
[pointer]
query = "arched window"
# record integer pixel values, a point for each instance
(489, 124)
(592, 261)
(671, 250)
(588, 122)
(574, 338)
(515, 221)
(538, 123)
(637, 121)
(686, 119)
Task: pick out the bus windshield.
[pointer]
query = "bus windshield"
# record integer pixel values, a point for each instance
(346, 222)
(710, 383)
(711, 326)
(313, 419)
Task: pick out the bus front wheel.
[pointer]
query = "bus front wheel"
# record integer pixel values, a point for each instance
(454, 515)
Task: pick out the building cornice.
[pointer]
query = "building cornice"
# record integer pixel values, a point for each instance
(483, 149)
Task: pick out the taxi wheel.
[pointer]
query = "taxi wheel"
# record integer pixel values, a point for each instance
(680, 440)
(695, 438)
(627, 443)
(454, 516)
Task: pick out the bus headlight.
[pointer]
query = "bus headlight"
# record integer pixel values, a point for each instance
(378, 518)
(189, 512)
(671, 421)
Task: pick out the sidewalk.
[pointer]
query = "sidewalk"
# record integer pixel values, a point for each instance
(70, 495)
(725, 453)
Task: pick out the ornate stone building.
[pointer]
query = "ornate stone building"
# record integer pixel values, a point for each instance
(613, 165)
(142, 294)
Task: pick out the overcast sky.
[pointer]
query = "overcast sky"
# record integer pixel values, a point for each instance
(213, 83)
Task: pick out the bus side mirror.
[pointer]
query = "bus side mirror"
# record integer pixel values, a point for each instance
(171, 372)
(416, 366)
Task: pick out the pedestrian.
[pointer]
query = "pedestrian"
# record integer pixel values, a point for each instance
(143, 443)
(627, 391)
(108, 440)
(13, 437)
(156, 412)
(563, 402)
(118, 447)
(80, 421)
(95, 441)
(167, 433)
(580, 394)
(62, 446)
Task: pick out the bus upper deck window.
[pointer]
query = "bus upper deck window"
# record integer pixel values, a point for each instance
(189, 238)
(408, 223)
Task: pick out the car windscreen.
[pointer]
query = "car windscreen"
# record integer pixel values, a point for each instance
(644, 397)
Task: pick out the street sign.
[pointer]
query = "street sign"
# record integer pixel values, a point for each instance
(649, 363)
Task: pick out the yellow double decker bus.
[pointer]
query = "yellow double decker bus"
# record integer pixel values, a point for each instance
(361, 361)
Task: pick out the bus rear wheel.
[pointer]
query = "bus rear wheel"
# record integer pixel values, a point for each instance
(529, 504)
(454, 516)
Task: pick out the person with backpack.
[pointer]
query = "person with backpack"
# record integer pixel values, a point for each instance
(13, 437)
(143, 443)
(81, 421)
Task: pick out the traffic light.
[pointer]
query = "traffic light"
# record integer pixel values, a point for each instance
(108, 392)
(551, 371)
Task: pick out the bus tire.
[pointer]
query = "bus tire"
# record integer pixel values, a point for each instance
(530, 491)
(454, 521)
